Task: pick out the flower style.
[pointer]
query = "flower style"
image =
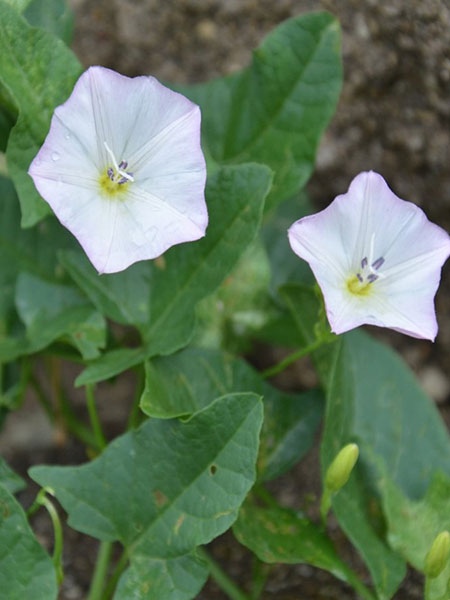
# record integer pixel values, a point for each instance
(123, 170)
(376, 258)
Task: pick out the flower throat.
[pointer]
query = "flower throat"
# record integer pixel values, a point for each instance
(115, 179)
(361, 283)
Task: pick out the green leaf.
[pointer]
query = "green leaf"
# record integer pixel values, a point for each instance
(178, 578)
(275, 111)
(287, 267)
(29, 251)
(34, 251)
(54, 16)
(235, 198)
(362, 380)
(371, 398)
(185, 274)
(9, 479)
(304, 321)
(167, 487)
(439, 588)
(8, 269)
(6, 124)
(240, 307)
(290, 425)
(414, 524)
(19, 5)
(110, 364)
(185, 383)
(26, 570)
(280, 535)
(39, 72)
(385, 396)
(51, 311)
(123, 297)
(305, 309)
(14, 383)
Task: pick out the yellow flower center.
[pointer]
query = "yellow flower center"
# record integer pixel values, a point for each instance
(358, 288)
(110, 187)
(115, 179)
(361, 283)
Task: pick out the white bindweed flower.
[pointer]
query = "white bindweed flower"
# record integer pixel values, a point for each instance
(123, 170)
(376, 257)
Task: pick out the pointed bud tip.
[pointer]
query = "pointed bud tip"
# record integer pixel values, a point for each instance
(340, 469)
(438, 555)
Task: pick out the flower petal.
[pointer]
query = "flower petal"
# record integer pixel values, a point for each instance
(110, 119)
(368, 225)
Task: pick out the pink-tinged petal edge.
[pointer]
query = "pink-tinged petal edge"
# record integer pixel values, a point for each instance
(70, 183)
(328, 241)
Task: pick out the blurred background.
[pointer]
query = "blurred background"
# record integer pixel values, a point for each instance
(393, 117)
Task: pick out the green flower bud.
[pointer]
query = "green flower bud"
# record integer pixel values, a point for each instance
(339, 471)
(438, 555)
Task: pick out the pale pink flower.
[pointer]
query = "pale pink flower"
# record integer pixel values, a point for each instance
(123, 170)
(376, 258)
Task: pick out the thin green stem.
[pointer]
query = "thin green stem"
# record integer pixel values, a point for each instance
(77, 427)
(100, 571)
(260, 573)
(291, 358)
(352, 578)
(41, 396)
(36, 504)
(112, 583)
(325, 505)
(221, 578)
(93, 415)
(71, 422)
(58, 543)
(43, 500)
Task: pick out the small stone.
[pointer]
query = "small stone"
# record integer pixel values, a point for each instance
(206, 30)
(435, 383)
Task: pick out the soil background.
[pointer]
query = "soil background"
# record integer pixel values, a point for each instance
(393, 117)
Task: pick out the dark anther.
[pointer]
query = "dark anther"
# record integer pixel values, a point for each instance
(377, 264)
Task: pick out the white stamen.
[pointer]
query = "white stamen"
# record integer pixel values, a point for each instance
(373, 271)
(116, 166)
(372, 242)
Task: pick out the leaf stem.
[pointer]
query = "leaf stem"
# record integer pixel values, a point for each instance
(93, 415)
(325, 505)
(221, 578)
(35, 384)
(58, 543)
(112, 583)
(100, 571)
(260, 573)
(291, 358)
(75, 426)
(43, 500)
